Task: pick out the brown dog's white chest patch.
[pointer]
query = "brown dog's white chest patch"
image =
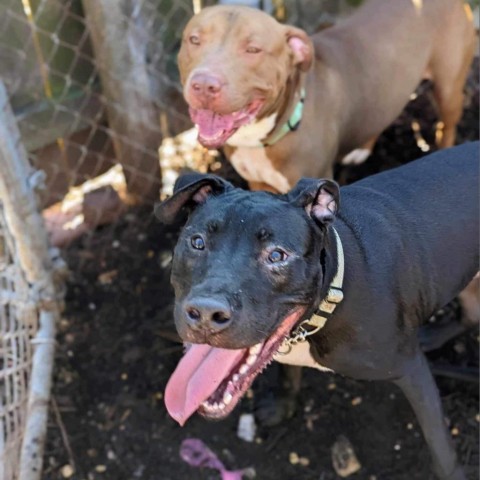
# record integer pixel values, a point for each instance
(254, 165)
(300, 356)
(251, 135)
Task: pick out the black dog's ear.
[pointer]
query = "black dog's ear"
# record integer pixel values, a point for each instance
(320, 198)
(190, 190)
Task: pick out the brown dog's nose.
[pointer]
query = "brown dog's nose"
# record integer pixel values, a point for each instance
(208, 313)
(205, 85)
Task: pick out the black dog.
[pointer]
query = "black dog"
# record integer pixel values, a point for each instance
(251, 269)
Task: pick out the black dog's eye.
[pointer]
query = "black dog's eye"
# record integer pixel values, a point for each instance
(277, 255)
(198, 242)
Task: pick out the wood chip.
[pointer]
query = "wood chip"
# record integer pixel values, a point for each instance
(293, 458)
(356, 401)
(67, 471)
(304, 461)
(106, 278)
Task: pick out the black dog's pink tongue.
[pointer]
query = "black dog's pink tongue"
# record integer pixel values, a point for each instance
(198, 374)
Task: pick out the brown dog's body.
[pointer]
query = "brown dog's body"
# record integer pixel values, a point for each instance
(357, 77)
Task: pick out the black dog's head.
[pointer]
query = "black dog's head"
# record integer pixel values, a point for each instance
(246, 268)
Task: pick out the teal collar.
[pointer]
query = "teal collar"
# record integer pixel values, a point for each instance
(292, 123)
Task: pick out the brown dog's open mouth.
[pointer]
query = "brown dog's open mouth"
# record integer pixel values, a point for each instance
(214, 129)
(212, 380)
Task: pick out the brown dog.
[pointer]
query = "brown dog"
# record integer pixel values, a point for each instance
(286, 105)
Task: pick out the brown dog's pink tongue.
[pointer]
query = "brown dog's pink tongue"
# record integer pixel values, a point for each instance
(210, 123)
(198, 374)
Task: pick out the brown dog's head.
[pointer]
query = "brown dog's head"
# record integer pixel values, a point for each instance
(236, 64)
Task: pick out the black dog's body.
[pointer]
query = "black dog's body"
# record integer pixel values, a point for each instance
(411, 245)
(410, 238)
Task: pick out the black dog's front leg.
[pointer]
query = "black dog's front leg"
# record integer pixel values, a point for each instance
(420, 389)
(278, 401)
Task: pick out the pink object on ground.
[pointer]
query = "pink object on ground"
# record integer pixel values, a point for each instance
(197, 454)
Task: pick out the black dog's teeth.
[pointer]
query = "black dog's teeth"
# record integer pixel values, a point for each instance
(210, 404)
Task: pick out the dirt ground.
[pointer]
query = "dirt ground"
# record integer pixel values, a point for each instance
(117, 349)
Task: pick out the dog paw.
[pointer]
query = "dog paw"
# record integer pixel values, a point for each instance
(357, 156)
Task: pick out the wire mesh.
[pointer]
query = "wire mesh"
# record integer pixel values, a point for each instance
(18, 325)
(53, 81)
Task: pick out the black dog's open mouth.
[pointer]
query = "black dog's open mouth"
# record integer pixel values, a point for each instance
(212, 380)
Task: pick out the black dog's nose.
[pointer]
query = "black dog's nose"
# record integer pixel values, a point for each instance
(207, 312)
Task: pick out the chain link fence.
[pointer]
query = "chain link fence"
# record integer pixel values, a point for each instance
(15, 353)
(74, 71)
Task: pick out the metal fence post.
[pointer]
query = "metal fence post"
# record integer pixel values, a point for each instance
(25, 224)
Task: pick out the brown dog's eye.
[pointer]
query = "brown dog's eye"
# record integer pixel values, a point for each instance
(194, 39)
(198, 243)
(253, 50)
(277, 255)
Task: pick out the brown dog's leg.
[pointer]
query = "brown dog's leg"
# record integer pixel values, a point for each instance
(470, 301)
(450, 66)
(359, 155)
(419, 387)
(450, 105)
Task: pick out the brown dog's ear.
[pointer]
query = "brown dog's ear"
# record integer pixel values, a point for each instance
(190, 191)
(319, 198)
(301, 46)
